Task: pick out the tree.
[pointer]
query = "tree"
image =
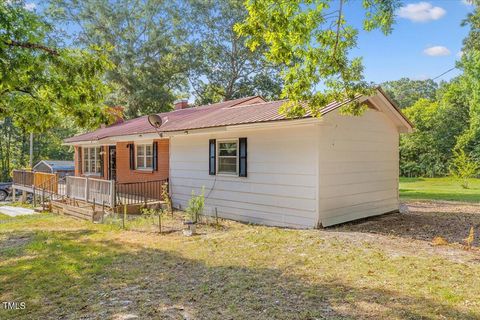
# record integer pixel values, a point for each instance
(41, 83)
(310, 41)
(149, 51)
(464, 167)
(419, 155)
(225, 67)
(405, 92)
(469, 140)
(438, 124)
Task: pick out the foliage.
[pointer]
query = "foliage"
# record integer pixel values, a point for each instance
(438, 125)
(405, 92)
(166, 197)
(310, 41)
(150, 212)
(14, 146)
(463, 167)
(470, 81)
(42, 83)
(195, 206)
(149, 50)
(418, 153)
(225, 68)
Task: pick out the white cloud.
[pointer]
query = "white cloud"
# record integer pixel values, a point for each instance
(459, 54)
(421, 12)
(30, 6)
(467, 2)
(437, 51)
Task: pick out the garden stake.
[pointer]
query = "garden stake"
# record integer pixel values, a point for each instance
(124, 214)
(160, 222)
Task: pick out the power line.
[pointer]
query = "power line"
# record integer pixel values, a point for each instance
(451, 69)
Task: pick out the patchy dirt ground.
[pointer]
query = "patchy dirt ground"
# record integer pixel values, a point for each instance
(424, 220)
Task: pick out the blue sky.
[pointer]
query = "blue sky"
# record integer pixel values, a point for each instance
(425, 42)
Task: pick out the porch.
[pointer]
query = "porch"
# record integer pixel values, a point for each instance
(87, 196)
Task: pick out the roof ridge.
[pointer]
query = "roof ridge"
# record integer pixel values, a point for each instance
(255, 104)
(244, 99)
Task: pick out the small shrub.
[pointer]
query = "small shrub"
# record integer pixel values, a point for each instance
(166, 197)
(195, 206)
(463, 167)
(148, 212)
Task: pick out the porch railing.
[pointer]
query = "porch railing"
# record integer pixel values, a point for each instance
(91, 190)
(48, 181)
(99, 191)
(35, 179)
(23, 177)
(139, 192)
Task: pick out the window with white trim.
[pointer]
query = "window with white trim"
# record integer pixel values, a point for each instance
(227, 156)
(91, 160)
(144, 156)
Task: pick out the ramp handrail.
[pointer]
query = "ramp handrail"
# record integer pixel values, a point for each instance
(91, 190)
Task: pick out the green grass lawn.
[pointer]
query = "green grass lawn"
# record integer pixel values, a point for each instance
(3, 216)
(439, 189)
(68, 269)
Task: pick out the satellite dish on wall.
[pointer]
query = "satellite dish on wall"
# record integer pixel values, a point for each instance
(155, 120)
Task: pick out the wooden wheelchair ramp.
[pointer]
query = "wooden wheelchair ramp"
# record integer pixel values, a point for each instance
(78, 209)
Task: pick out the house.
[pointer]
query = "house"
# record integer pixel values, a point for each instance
(61, 167)
(255, 164)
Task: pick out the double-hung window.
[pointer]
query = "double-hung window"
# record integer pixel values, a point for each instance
(91, 160)
(144, 156)
(227, 156)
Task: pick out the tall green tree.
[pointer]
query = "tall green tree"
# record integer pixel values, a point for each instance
(469, 141)
(405, 92)
(310, 40)
(438, 123)
(225, 67)
(42, 83)
(149, 51)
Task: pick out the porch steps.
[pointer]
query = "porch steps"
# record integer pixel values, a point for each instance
(79, 210)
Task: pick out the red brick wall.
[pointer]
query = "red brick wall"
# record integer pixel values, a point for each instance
(124, 174)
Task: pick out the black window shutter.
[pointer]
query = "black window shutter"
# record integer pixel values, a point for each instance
(211, 157)
(102, 153)
(242, 159)
(155, 156)
(131, 146)
(80, 160)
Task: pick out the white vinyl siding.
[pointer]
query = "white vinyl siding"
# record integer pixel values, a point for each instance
(340, 169)
(91, 160)
(281, 185)
(358, 167)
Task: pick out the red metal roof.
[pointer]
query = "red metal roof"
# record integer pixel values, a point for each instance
(234, 112)
(141, 125)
